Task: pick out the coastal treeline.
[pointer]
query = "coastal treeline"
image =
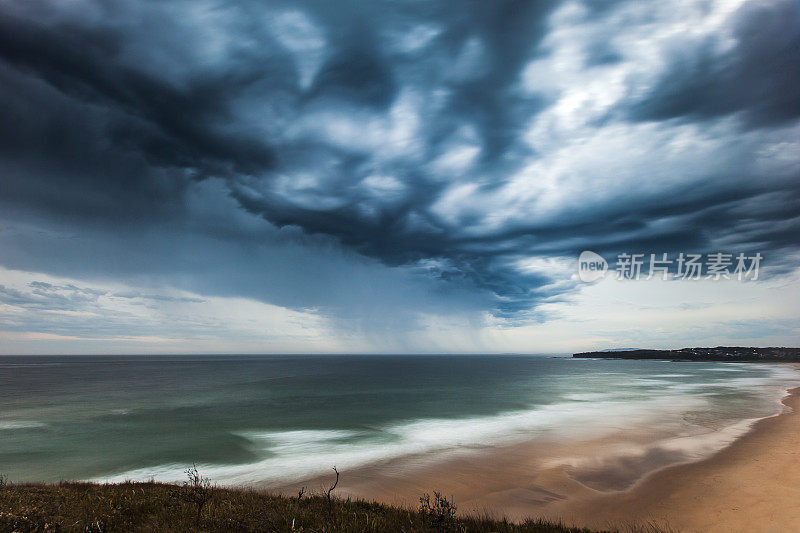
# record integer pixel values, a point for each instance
(728, 354)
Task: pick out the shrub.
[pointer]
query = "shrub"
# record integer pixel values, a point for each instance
(197, 490)
(438, 514)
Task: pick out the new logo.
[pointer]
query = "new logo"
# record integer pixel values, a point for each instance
(591, 267)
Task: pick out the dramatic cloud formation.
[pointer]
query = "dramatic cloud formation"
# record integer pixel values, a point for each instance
(393, 161)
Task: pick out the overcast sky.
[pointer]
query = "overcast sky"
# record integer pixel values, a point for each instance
(404, 176)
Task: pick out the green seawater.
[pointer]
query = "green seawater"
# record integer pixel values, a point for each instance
(280, 418)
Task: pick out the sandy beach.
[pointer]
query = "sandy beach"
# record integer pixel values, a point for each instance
(752, 484)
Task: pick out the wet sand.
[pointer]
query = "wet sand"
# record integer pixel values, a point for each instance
(752, 484)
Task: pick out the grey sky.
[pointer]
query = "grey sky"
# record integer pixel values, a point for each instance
(382, 168)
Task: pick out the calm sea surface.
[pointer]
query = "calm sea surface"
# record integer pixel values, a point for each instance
(280, 418)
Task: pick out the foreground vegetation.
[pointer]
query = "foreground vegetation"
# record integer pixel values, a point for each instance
(197, 506)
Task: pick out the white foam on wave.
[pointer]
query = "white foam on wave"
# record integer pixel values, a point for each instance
(21, 424)
(295, 455)
(588, 396)
(299, 454)
(697, 446)
(728, 368)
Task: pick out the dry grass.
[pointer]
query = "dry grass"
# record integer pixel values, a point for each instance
(131, 507)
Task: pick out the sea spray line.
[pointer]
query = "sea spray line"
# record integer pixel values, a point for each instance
(305, 453)
(299, 454)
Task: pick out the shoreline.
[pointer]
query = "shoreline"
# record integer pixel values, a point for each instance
(515, 481)
(749, 485)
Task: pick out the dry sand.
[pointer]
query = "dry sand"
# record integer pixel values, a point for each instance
(751, 485)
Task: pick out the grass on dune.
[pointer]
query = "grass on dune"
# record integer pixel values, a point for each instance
(126, 507)
(195, 507)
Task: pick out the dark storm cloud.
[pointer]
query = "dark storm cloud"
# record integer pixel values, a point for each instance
(172, 127)
(437, 137)
(757, 76)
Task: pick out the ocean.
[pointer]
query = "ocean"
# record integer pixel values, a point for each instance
(272, 420)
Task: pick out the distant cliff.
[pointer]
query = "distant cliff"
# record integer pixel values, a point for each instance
(731, 354)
